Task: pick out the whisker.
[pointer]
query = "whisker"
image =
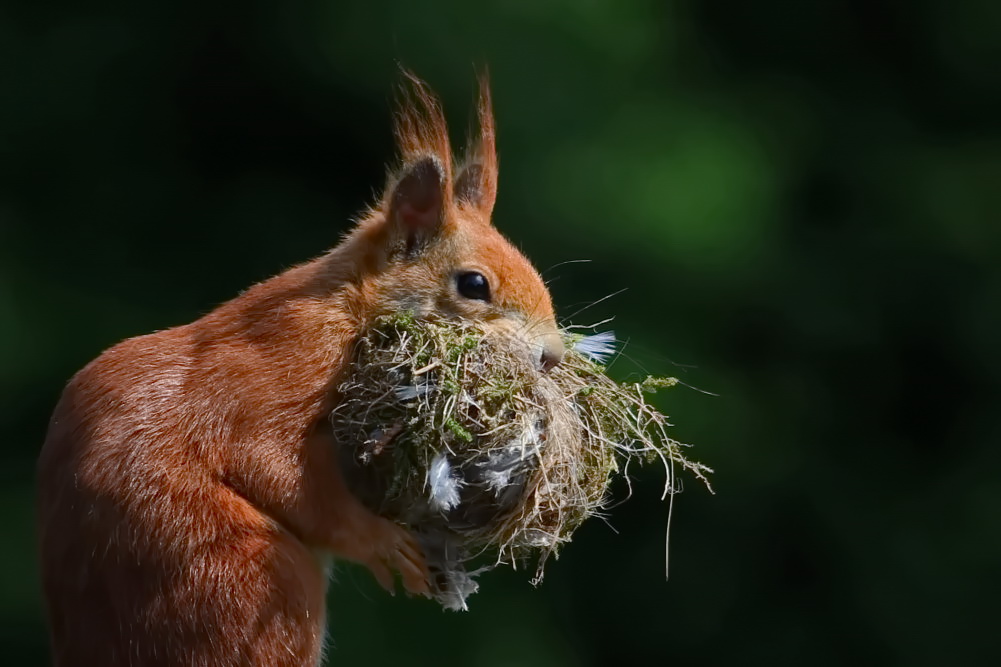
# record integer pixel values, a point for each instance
(594, 303)
(569, 261)
(593, 327)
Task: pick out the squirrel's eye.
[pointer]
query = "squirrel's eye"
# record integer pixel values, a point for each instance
(473, 285)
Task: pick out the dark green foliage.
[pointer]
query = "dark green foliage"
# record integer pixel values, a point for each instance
(801, 198)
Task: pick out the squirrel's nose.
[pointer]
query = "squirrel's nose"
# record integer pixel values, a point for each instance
(552, 351)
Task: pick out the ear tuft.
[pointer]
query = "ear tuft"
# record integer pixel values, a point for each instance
(420, 124)
(477, 182)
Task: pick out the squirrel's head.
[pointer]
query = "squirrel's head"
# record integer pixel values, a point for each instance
(430, 246)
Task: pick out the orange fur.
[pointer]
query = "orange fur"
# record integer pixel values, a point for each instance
(189, 493)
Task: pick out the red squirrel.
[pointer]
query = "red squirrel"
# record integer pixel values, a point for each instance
(189, 492)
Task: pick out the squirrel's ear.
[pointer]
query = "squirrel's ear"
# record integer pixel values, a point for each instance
(416, 205)
(469, 184)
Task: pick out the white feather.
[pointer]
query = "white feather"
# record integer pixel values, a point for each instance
(444, 486)
(498, 478)
(502, 463)
(408, 392)
(597, 347)
(459, 587)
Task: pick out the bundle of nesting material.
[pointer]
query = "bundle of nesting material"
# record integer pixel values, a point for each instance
(456, 433)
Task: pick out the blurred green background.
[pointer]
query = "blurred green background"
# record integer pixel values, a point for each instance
(801, 200)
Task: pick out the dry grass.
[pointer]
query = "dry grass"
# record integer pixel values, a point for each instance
(463, 439)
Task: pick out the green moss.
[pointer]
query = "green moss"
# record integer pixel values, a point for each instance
(459, 430)
(402, 321)
(654, 383)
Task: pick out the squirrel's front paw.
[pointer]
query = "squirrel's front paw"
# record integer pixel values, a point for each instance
(396, 549)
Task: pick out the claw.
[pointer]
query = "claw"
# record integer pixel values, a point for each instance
(383, 575)
(415, 580)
